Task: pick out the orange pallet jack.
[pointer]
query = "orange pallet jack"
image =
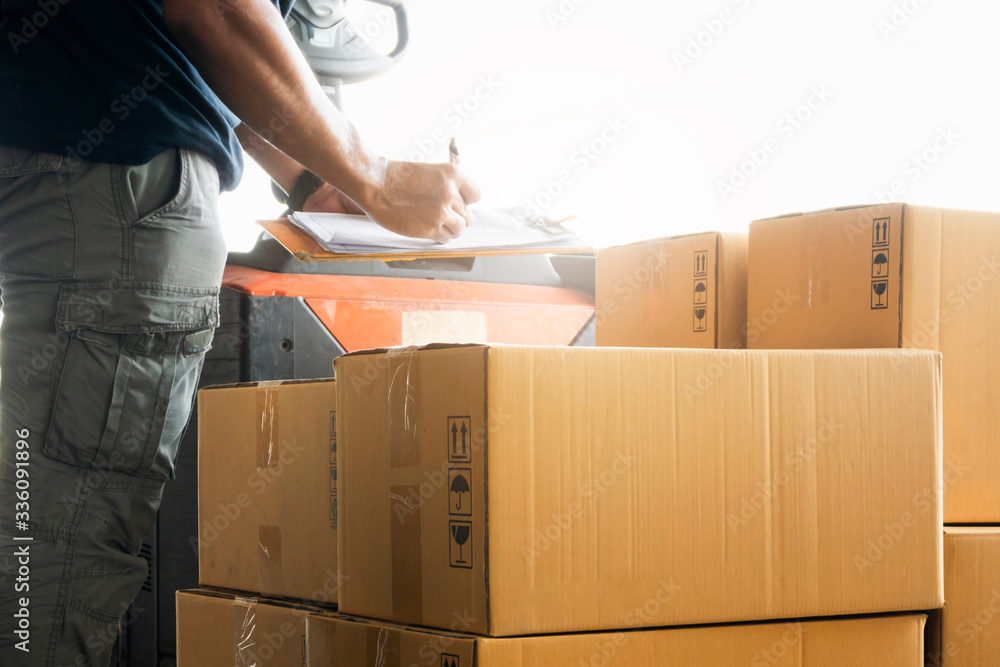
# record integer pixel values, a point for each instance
(286, 319)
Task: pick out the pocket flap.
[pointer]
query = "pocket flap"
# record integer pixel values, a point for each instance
(124, 307)
(19, 162)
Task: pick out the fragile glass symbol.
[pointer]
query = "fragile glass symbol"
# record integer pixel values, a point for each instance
(879, 290)
(699, 313)
(461, 532)
(459, 485)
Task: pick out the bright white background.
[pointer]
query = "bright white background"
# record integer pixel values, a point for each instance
(689, 99)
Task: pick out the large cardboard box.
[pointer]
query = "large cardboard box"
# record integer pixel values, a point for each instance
(895, 641)
(684, 291)
(896, 276)
(541, 490)
(267, 488)
(214, 629)
(971, 618)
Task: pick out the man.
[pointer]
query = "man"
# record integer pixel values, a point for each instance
(116, 134)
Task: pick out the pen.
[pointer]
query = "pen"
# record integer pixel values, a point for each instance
(453, 152)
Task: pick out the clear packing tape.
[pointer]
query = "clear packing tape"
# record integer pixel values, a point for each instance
(403, 428)
(268, 456)
(245, 632)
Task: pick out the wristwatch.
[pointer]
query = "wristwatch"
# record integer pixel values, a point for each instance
(306, 184)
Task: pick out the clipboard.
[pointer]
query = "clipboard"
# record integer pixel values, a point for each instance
(305, 249)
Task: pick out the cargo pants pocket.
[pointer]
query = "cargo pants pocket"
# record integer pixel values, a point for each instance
(123, 396)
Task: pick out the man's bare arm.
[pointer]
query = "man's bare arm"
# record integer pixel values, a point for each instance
(248, 57)
(285, 171)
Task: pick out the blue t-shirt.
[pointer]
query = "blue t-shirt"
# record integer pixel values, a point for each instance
(104, 81)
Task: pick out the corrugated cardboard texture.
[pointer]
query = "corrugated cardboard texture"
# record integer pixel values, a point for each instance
(869, 642)
(685, 291)
(971, 618)
(267, 489)
(607, 488)
(811, 285)
(214, 629)
(810, 278)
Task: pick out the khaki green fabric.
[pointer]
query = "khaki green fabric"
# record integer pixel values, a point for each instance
(110, 278)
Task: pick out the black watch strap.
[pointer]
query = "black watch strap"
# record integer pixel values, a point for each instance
(305, 185)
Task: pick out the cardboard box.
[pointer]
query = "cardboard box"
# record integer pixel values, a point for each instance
(971, 618)
(218, 629)
(895, 641)
(684, 291)
(542, 490)
(267, 489)
(896, 276)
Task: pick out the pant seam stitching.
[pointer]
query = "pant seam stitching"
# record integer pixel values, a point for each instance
(63, 600)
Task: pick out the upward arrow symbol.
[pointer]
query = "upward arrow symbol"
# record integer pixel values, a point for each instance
(464, 434)
(454, 438)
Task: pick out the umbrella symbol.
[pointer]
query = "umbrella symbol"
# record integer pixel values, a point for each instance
(880, 262)
(459, 485)
(699, 292)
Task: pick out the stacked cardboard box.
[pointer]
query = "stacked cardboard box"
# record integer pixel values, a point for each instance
(267, 489)
(970, 634)
(267, 504)
(908, 277)
(219, 629)
(892, 641)
(684, 291)
(216, 629)
(506, 491)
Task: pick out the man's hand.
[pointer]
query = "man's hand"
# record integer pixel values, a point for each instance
(247, 55)
(328, 199)
(423, 200)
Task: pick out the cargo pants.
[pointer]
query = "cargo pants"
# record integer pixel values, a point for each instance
(109, 277)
